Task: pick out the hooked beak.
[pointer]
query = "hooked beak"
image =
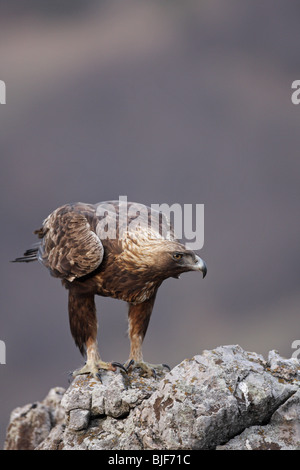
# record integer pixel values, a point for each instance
(200, 266)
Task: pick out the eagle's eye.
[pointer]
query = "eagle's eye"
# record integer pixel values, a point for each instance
(177, 256)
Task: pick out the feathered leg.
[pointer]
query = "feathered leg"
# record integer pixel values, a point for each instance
(83, 324)
(138, 321)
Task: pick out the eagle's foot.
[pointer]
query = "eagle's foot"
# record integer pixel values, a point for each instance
(93, 368)
(148, 369)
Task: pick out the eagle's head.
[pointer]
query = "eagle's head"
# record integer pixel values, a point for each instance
(171, 258)
(180, 260)
(186, 260)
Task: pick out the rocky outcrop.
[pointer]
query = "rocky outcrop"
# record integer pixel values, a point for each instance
(31, 424)
(225, 398)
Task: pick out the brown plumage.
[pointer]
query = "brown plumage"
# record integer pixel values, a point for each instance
(128, 263)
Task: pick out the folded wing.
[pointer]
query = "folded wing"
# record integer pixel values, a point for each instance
(69, 247)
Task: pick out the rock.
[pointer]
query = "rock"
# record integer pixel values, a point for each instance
(283, 430)
(206, 401)
(31, 424)
(226, 398)
(281, 433)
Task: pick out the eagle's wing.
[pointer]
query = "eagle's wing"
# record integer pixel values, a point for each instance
(69, 247)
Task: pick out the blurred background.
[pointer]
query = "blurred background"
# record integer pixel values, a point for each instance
(163, 101)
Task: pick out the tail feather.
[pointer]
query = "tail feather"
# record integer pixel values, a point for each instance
(29, 255)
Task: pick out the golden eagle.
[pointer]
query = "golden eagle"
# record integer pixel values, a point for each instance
(113, 250)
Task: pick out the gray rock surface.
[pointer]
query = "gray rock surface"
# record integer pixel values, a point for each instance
(225, 398)
(31, 424)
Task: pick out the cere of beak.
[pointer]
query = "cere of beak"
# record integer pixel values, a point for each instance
(200, 266)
